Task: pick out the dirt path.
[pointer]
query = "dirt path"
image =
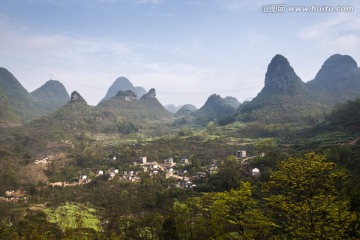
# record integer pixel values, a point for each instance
(353, 142)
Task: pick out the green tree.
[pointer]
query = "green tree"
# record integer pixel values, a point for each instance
(306, 201)
(210, 126)
(227, 177)
(184, 132)
(265, 145)
(169, 230)
(188, 218)
(73, 216)
(236, 215)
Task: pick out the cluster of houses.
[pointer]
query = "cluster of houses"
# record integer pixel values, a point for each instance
(168, 167)
(14, 196)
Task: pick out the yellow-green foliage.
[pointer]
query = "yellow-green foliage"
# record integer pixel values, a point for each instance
(304, 195)
(236, 215)
(73, 216)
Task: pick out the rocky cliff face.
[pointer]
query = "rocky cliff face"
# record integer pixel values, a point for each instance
(281, 78)
(150, 95)
(76, 98)
(126, 95)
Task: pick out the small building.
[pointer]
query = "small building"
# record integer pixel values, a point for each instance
(84, 177)
(116, 171)
(143, 160)
(200, 175)
(15, 194)
(213, 169)
(101, 172)
(185, 161)
(169, 162)
(241, 154)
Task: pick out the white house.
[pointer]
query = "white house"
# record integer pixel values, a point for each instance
(255, 172)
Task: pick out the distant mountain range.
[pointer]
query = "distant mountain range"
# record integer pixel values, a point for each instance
(123, 84)
(19, 105)
(172, 108)
(108, 117)
(127, 108)
(284, 97)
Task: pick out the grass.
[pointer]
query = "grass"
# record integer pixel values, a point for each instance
(333, 137)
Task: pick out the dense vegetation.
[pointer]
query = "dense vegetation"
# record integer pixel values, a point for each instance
(297, 195)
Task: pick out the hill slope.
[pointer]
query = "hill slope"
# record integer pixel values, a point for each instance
(51, 96)
(76, 116)
(6, 113)
(214, 108)
(186, 110)
(22, 104)
(337, 81)
(232, 101)
(341, 126)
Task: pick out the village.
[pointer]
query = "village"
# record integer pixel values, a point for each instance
(168, 168)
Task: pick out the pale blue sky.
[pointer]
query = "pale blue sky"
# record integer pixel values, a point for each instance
(186, 49)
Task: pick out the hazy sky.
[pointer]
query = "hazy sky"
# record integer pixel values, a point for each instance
(185, 49)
